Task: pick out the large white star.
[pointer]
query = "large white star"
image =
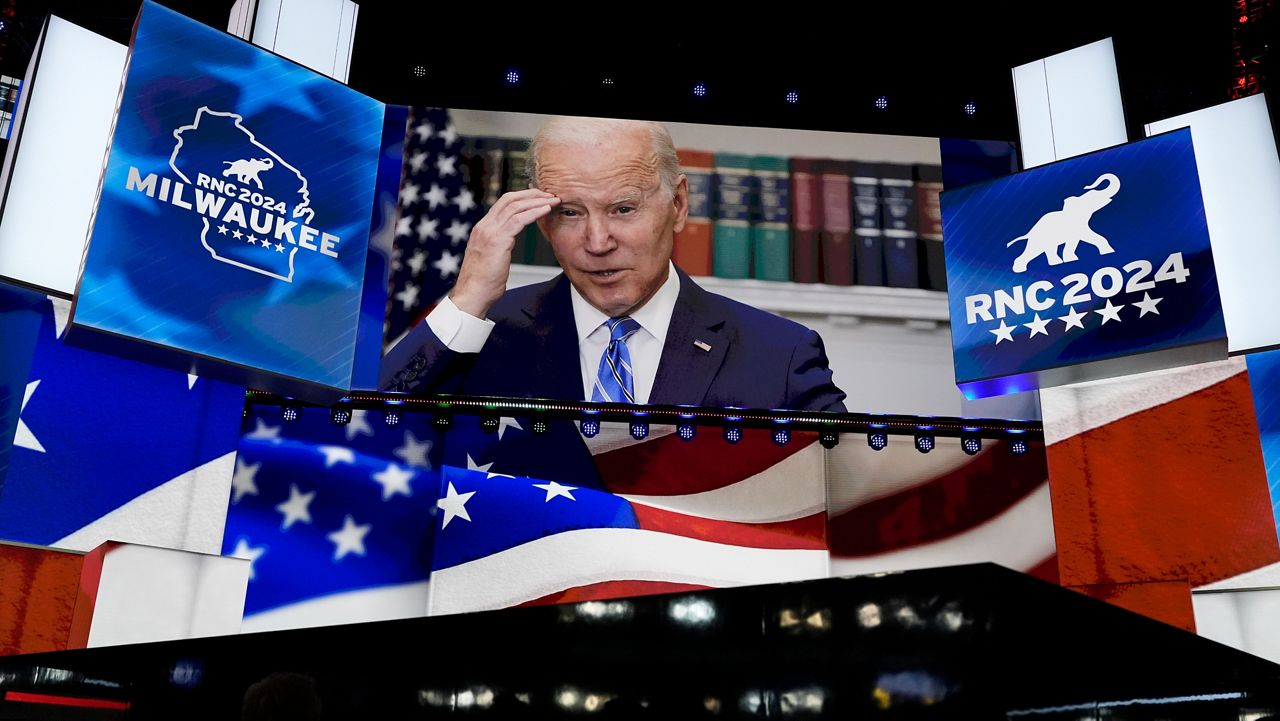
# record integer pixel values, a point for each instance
(1110, 312)
(504, 423)
(350, 539)
(414, 452)
(473, 466)
(359, 425)
(264, 432)
(334, 455)
(1003, 333)
(447, 265)
(408, 296)
(454, 504)
(445, 165)
(296, 508)
(416, 261)
(24, 438)
(554, 489)
(409, 194)
(449, 135)
(394, 480)
(1073, 319)
(404, 225)
(1037, 326)
(428, 228)
(464, 200)
(424, 131)
(458, 232)
(249, 553)
(244, 482)
(436, 196)
(1148, 304)
(417, 160)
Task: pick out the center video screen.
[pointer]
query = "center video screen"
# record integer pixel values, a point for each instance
(595, 259)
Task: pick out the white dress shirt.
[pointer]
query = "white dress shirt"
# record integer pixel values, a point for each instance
(462, 332)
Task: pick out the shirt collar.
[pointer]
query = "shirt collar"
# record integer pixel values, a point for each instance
(654, 316)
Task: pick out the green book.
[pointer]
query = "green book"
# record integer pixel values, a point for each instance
(771, 218)
(731, 236)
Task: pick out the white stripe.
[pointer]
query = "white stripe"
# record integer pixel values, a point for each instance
(1029, 521)
(376, 604)
(1264, 576)
(1071, 410)
(603, 393)
(188, 513)
(595, 555)
(613, 436)
(857, 475)
(793, 488)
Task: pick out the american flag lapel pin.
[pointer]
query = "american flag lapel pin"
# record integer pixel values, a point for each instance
(702, 345)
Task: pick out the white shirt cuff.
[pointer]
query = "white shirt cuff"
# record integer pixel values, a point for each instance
(460, 331)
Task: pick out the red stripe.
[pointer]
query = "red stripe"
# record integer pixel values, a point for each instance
(668, 466)
(47, 700)
(962, 499)
(807, 533)
(87, 597)
(38, 595)
(1178, 491)
(613, 589)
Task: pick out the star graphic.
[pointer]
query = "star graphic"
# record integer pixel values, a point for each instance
(427, 228)
(408, 297)
(237, 234)
(416, 262)
(296, 508)
(249, 553)
(447, 265)
(473, 466)
(394, 480)
(554, 489)
(290, 95)
(454, 504)
(409, 194)
(436, 196)
(24, 438)
(222, 230)
(458, 232)
(1110, 312)
(424, 131)
(253, 238)
(266, 243)
(279, 247)
(350, 539)
(504, 423)
(417, 160)
(464, 200)
(244, 482)
(445, 165)
(404, 225)
(264, 432)
(333, 455)
(359, 425)
(1148, 304)
(1003, 333)
(1073, 319)
(1037, 326)
(449, 135)
(414, 452)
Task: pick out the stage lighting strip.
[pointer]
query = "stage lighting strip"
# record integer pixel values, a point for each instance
(672, 415)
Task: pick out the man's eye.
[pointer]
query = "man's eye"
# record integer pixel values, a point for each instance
(568, 213)
(626, 210)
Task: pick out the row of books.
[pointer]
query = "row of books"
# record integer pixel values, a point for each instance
(805, 220)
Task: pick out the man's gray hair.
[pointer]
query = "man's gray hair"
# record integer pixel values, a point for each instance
(580, 131)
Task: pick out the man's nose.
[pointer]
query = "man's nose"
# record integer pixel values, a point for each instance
(599, 239)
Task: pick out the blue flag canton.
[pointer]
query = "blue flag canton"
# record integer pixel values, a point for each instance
(322, 508)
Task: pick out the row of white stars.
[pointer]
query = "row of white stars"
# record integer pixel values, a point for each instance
(1075, 319)
(454, 504)
(346, 540)
(252, 239)
(448, 264)
(425, 131)
(411, 193)
(393, 479)
(429, 229)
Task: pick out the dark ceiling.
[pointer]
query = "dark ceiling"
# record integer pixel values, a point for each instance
(927, 61)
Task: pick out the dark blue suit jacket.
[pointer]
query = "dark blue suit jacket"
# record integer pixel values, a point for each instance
(756, 359)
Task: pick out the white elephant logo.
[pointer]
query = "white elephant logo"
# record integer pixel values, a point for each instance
(246, 169)
(1065, 229)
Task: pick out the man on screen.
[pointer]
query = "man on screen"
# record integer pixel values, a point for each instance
(621, 323)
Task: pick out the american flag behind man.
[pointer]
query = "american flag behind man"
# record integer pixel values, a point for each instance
(436, 212)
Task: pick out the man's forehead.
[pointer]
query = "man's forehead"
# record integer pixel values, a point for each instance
(579, 172)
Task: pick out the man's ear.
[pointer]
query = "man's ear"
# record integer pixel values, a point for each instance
(680, 198)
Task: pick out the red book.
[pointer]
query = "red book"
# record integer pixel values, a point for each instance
(836, 229)
(692, 251)
(806, 208)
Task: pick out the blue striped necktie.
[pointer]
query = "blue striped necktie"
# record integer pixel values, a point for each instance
(615, 382)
